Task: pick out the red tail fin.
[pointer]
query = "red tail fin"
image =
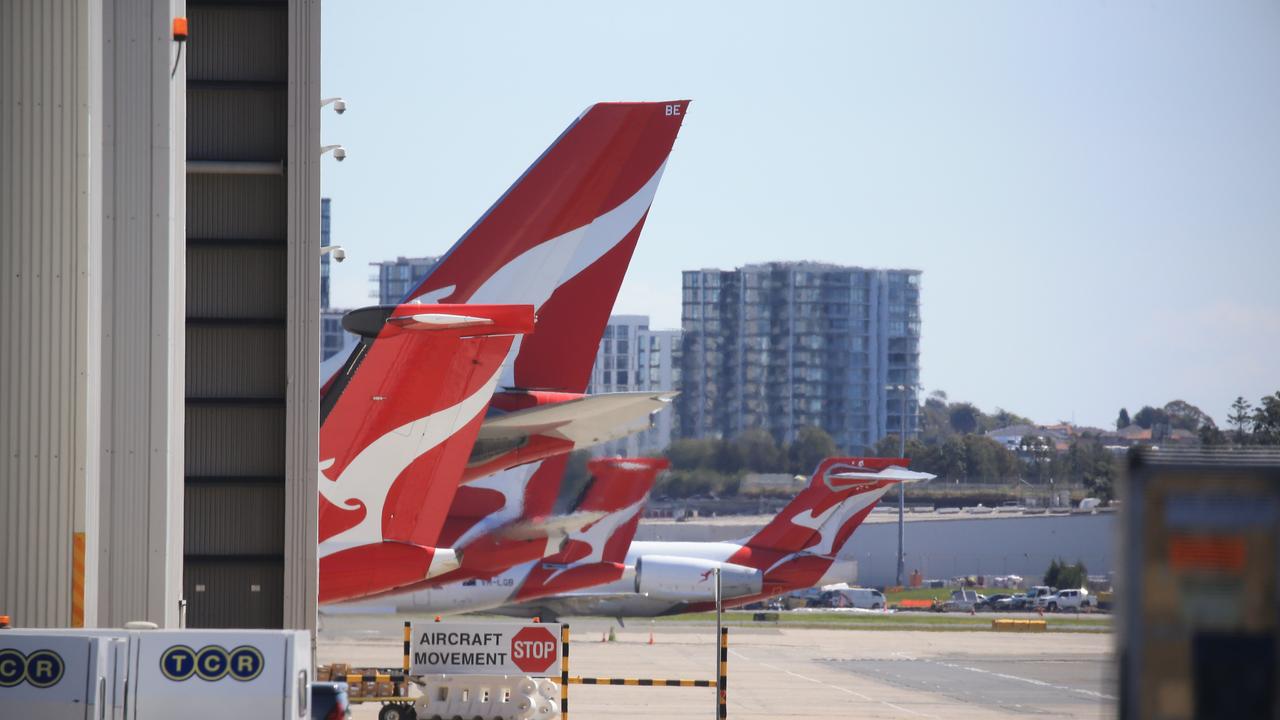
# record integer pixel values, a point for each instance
(398, 431)
(562, 236)
(594, 554)
(825, 513)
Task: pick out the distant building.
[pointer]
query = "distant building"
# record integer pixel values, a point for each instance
(787, 344)
(394, 279)
(631, 357)
(332, 337)
(324, 258)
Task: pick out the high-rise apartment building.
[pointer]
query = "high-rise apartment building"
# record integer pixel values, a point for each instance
(783, 345)
(394, 279)
(634, 358)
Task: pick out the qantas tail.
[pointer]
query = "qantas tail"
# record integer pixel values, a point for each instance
(562, 236)
(839, 496)
(594, 554)
(397, 429)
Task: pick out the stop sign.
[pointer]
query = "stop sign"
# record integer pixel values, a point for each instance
(534, 649)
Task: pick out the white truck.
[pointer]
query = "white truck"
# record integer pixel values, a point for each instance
(1071, 600)
(138, 674)
(861, 598)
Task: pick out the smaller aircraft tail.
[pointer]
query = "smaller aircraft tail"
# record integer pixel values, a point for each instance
(595, 553)
(396, 431)
(839, 496)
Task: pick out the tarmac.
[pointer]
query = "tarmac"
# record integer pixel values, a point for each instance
(782, 673)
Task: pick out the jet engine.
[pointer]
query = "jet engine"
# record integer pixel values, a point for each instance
(693, 579)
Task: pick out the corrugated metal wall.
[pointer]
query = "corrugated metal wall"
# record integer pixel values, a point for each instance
(245, 312)
(303, 399)
(142, 301)
(45, 254)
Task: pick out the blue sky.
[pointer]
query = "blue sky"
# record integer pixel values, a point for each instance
(1092, 189)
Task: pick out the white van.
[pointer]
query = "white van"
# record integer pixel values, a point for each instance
(864, 598)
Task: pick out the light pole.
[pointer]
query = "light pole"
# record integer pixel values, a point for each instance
(902, 453)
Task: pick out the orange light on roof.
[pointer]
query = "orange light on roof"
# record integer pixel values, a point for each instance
(179, 29)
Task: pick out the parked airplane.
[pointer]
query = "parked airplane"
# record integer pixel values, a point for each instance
(389, 438)
(799, 548)
(589, 554)
(560, 239)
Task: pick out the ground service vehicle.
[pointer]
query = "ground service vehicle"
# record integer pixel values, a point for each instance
(1072, 600)
(862, 598)
(329, 701)
(151, 674)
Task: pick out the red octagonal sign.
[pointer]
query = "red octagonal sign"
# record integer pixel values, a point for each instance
(533, 649)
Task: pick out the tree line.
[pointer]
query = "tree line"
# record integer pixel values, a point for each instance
(952, 443)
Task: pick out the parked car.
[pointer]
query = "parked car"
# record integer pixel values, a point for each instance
(1067, 600)
(329, 701)
(1036, 592)
(993, 601)
(963, 601)
(1011, 603)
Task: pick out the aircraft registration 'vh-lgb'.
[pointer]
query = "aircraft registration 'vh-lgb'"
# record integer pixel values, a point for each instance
(560, 240)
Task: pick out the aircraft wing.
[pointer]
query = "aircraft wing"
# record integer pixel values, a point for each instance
(585, 421)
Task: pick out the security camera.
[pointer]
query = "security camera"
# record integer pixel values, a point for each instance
(339, 254)
(339, 154)
(339, 106)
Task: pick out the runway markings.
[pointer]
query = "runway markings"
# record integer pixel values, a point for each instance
(1005, 676)
(845, 690)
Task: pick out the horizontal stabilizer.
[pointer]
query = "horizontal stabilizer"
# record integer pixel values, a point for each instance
(586, 421)
(558, 526)
(892, 473)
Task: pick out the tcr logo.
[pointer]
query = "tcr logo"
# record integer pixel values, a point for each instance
(211, 663)
(40, 669)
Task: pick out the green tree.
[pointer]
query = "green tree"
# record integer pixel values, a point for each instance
(1149, 417)
(1003, 418)
(1122, 421)
(1064, 576)
(1210, 435)
(727, 458)
(1038, 454)
(1266, 420)
(690, 454)
(1186, 416)
(1241, 418)
(759, 451)
(811, 446)
(1053, 573)
(1090, 463)
(964, 418)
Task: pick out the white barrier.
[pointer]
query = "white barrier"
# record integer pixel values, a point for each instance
(508, 697)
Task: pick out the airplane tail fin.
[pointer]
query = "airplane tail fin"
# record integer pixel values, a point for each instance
(561, 238)
(840, 494)
(594, 554)
(395, 436)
